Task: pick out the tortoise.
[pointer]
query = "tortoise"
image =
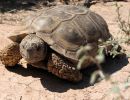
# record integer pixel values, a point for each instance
(55, 35)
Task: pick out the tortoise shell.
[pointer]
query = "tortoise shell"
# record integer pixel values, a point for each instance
(67, 27)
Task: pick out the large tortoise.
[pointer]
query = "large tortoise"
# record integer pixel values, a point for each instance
(55, 35)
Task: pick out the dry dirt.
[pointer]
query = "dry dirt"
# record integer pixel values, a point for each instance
(28, 83)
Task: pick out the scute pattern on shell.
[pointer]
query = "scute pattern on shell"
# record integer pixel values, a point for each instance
(67, 27)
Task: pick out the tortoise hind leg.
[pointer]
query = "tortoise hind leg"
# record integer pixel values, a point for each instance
(63, 69)
(10, 55)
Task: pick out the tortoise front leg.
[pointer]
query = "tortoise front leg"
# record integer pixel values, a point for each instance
(63, 68)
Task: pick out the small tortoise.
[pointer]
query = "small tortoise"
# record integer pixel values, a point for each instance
(54, 37)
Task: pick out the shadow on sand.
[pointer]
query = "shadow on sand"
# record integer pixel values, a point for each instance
(13, 6)
(55, 84)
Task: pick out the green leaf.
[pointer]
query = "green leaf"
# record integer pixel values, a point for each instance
(115, 89)
(82, 51)
(81, 61)
(128, 79)
(128, 55)
(100, 50)
(93, 77)
(100, 58)
(95, 74)
(126, 85)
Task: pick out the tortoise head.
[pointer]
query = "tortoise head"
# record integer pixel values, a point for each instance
(33, 49)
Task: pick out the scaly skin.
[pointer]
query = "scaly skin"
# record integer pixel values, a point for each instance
(62, 68)
(33, 49)
(10, 55)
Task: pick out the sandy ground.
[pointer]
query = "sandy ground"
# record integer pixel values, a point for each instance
(28, 83)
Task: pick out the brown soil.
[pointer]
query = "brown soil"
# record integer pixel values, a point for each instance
(28, 83)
